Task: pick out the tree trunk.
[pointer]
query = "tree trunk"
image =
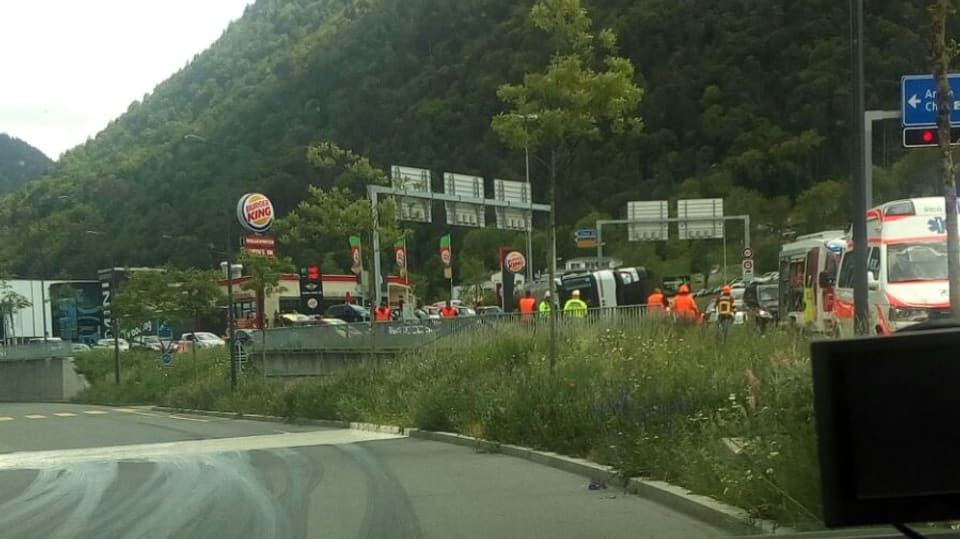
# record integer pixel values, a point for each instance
(552, 263)
(941, 67)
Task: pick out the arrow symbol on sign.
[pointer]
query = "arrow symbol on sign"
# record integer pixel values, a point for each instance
(913, 101)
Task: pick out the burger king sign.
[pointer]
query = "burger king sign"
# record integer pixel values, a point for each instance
(255, 212)
(514, 262)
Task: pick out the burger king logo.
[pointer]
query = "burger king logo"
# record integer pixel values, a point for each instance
(514, 262)
(255, 212)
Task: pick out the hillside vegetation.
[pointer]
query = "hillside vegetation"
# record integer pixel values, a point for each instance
(744, 100)
(19, 163)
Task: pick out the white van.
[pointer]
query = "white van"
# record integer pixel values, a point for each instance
(907, 265)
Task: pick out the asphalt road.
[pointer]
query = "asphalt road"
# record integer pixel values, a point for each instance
(92, 472)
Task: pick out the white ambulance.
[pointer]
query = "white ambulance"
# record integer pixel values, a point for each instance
(907, 267)
(808, 271)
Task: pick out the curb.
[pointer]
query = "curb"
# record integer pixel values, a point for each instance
(331, 423)
(675, 498)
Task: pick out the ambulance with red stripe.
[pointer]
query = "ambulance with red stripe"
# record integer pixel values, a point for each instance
(907, 267)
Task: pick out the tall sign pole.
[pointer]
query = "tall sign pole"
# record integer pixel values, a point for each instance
(860, 291)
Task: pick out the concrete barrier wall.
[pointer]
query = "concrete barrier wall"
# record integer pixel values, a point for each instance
(39, 380)
(315, 363)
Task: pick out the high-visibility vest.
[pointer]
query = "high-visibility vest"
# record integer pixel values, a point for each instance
(576, 307)
(545, 307)
(527, 305)
(655, 302)
(382, 314)
(448, 312)
(684, 306)
(725, 306)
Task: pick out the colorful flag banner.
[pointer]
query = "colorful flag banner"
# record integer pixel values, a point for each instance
(446, 253)
(400, 253)
(355, 254)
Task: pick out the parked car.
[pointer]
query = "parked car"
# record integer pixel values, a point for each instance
(122, 344)
(148, 342)
(348, 313)
(204, 339)
(490, 310)
(78, 347)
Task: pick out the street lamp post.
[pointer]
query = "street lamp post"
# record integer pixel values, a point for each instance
(528, 224)
(230, 323)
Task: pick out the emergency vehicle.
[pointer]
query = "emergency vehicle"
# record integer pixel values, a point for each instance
(808, 271)
(906, 264)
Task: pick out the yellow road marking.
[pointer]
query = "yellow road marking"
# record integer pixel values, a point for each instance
(6, 418)
(95, 412)
(189, 419)
(35, 416)
(64, 414)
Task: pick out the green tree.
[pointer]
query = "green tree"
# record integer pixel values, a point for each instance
(823, 206)
(584, 88)
(144, 297)
(330, 216)
(10, 303)
(264, 274)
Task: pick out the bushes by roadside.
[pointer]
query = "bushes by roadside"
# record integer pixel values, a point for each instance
(734, 422)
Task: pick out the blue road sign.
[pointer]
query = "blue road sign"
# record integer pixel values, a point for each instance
(919, 99)
(166, 358)
(586, 233)
(164, 333)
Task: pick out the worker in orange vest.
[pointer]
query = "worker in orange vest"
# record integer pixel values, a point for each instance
(382, 313)
(527, 305)
(726, 311)
(656, 302)
(684, 307)
(448, 311)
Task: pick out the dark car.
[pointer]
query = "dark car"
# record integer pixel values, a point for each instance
(348, 313)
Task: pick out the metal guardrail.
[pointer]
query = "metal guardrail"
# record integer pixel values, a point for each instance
(52, 349)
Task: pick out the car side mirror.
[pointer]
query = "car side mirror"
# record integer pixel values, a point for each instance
(827, 279)
(872, 282)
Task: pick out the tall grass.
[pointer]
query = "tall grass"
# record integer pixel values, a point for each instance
(656, 400)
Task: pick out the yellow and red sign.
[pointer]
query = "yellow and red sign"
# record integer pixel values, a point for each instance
(255, 212)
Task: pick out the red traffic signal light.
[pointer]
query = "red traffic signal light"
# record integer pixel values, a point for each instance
(923, 137)
(313, 273)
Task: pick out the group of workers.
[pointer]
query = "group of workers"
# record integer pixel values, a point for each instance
(384, 313)
(574, 306)
(684, 308)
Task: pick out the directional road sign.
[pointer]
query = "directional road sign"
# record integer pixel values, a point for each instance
(586, 233)
(919, 99)
(166, 358)
(164, 333)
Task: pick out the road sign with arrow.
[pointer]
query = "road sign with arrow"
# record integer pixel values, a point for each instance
(919, 99)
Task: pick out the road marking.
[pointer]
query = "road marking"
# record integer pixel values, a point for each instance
(6, 418)
(95, 412)
(64, 414)
(177, 450)
(188, 418)
(134, 412)
(35, 416)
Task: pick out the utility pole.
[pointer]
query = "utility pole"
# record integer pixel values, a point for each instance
(941, 55)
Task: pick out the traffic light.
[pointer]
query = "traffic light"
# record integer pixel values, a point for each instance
(311, 289)
(924, 137)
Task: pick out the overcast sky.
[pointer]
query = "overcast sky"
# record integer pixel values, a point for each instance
(70, 66)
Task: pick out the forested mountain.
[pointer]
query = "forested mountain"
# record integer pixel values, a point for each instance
(19, 163)
(746, 99)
